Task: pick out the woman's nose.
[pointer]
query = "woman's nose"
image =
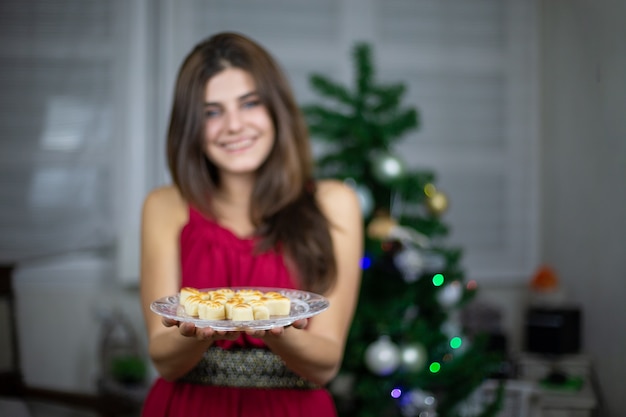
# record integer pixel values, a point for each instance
(234, 122)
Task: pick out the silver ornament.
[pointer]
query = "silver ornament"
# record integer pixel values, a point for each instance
(413, 356)
(451, 294)
(386, 167)
(410, 263)
(382, 357)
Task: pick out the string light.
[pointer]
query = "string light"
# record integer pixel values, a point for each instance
(438, 280)
(396, 393)
(456, 342)
(365, 262)
(434, 367)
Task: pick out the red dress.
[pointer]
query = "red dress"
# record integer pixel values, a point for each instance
(212, 256)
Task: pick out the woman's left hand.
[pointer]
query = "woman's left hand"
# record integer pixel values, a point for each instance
(277, 331)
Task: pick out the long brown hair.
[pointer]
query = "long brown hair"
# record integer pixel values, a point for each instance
(283, 208)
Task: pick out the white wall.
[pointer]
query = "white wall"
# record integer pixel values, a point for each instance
(584, 174)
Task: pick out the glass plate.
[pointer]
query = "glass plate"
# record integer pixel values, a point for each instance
(304, 304)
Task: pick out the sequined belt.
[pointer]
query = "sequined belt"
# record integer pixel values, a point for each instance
(245, 368)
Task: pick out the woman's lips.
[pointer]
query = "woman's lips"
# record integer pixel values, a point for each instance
(238, 144)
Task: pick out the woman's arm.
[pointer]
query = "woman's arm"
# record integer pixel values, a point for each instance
(174, 351)
(316, 353)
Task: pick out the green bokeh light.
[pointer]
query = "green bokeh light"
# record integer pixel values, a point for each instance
(434, 367)
(456, 342)
(438, 280)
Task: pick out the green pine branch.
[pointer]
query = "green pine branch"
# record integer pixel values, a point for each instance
(331, 90)
(368, 116)
(364, 68)
(328, 125)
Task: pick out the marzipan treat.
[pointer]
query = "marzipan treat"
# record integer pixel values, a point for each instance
(236, 305)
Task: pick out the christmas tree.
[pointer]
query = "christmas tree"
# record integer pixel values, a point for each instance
(407, 353)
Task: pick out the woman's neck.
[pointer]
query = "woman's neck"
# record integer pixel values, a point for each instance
(231, 205)
(235, 191)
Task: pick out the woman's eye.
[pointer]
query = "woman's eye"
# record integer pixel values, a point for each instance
(211, 113)
(251, 103)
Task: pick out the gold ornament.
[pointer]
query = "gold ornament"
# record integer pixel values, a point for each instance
(430, 189)
(436, 201)
(380, 227)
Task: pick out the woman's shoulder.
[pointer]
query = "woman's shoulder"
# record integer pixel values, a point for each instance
(166, 195)
(166, 202)
(332, 186)
(336, 196)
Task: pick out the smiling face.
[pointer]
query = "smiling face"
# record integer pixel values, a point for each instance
(239, 133)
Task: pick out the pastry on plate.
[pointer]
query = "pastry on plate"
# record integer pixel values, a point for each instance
(260, 310)
(211, 310)
(242, 312)
(240, 305)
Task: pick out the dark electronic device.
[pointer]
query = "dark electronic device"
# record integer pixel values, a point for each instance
(553, 330)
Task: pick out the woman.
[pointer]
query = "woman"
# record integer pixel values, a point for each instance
(244, 210)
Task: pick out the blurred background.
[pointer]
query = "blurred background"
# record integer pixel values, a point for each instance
(521, 105)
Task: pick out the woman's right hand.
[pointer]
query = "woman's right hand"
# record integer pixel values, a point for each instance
(201, 333)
